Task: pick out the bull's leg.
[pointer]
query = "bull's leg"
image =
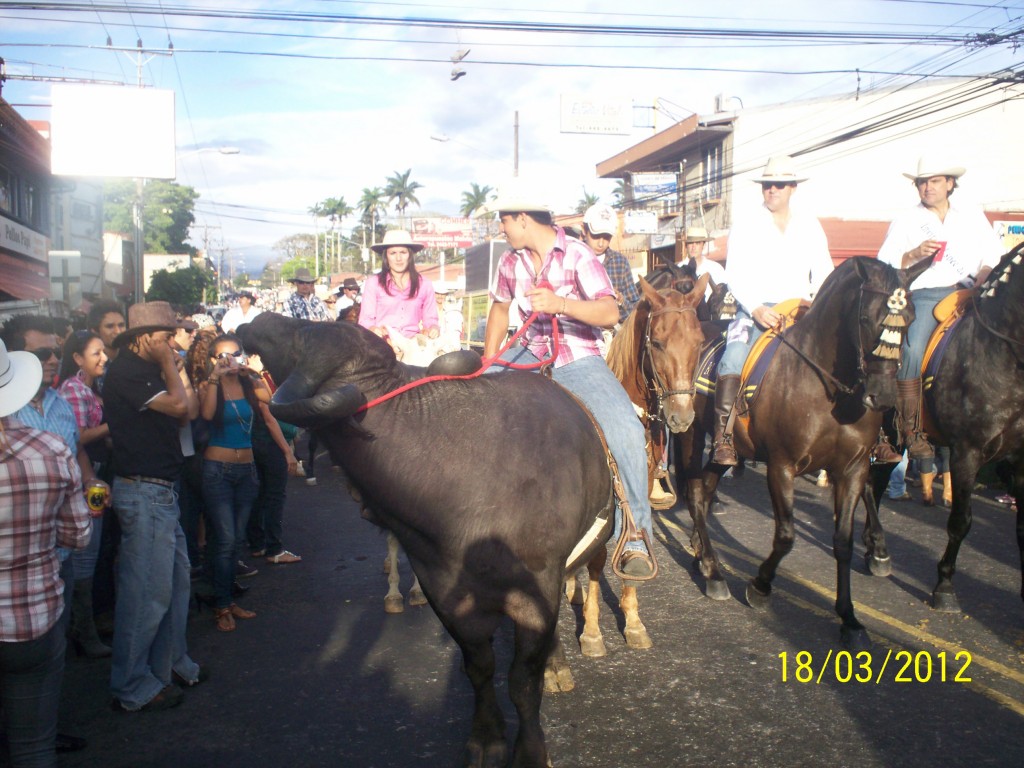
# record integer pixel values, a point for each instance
(849, 487)
(533, 649)
(780, 486)
(557, 673)
(591, 641)
(964, 465)
(393, 602)
(573, 590)
(486, 747)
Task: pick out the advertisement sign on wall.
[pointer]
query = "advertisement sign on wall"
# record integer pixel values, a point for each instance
(443, 231)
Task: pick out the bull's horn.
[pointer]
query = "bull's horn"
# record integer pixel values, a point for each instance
(332, 405)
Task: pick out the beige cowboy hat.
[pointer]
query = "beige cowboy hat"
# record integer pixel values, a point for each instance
(515, 195)
(148, 317)
(397, 237)
(780, 168)
(928, 166)
(302, 275)
(20, 375)
(696, 235)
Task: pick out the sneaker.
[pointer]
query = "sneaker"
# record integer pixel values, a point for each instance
(170, 696)
(310, 481)
(243, 571)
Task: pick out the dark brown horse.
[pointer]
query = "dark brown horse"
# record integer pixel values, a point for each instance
(818, 407)
(976, 404)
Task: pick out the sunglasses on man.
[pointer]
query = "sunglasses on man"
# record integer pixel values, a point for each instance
(766, 185)
(45, 353)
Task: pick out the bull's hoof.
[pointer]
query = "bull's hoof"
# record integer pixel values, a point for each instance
(717, 589)
(492, 756)
(558, 680)
(593, 646)
(854, 639)
(945, 601)
(394, 604)
(416, 597)
(638, 639)
(757, 599)
(879, 566)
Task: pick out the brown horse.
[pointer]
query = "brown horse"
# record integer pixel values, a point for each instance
(819, 406)
(654, 355)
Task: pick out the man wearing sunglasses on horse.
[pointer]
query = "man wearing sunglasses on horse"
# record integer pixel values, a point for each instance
(778, 253)
(963, 247)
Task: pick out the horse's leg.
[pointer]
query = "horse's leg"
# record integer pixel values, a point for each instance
(534, 648)
(591, 641)
(393, 602)
(876, 554)
(849, 486)
(1018, 494)
(700, 489)
(416, 596)
(780, 487)
(636, 633)
(964, 464)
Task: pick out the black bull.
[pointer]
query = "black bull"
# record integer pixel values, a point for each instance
(488, 483)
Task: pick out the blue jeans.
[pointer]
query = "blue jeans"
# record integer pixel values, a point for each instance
(740, 338)
(920, 330)
(898, 479)
(265, 523)
(30, 676)
(229, 490)
(592, 381)
(152, 594)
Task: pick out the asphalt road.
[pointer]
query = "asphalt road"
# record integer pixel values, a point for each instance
(323, 677)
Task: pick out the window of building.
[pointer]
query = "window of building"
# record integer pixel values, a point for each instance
(712, 181)
(6, 190)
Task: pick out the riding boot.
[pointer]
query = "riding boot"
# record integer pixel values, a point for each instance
(908, 411)
(723, 451)
(883, 452)
(83, 626)
(927, 479)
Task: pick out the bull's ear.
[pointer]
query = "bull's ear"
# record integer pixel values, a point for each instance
(318, 409)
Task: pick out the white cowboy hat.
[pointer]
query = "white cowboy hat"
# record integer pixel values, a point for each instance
(397, 237)
(513, 196)
(696, 235)
(21, 373)
(780, 168)
(928, 166)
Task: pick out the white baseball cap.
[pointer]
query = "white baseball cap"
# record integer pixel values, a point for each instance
(601, 219)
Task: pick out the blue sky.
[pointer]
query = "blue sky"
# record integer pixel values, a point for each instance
(325, 107)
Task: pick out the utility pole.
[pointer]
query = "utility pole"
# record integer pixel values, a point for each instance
(515, 145)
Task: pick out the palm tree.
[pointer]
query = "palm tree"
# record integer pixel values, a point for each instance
(372, 203)
(621, 191)
(474, 197)
(401, 191)
(336, 209)
(586, 201)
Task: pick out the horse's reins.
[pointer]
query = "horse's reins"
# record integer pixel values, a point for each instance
(987, 327)
(661, 391)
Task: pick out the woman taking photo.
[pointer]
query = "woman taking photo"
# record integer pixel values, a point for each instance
(84, 362)
(230, 402)
(400, 298)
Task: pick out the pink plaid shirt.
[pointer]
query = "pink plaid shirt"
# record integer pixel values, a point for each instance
(575, 273)
(43, 508)
(83, 401)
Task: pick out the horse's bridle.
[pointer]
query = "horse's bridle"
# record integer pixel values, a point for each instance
(659, 388)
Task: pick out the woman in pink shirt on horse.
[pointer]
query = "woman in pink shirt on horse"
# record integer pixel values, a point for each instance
(400, 298)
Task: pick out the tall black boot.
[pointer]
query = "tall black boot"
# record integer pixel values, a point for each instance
(726, 390)
(908, 410)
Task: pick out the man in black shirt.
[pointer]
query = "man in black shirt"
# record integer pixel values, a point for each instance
(146, 396)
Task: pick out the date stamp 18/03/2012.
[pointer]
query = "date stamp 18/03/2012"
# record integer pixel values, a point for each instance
(867, 667)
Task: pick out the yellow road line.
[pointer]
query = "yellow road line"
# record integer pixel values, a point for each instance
(900, 626)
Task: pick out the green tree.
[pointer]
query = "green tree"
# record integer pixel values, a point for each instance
(586, 201)
(167, 213)
(372, 204)
(401, 191)
(182, 287)
(474, 197)
(621, 191)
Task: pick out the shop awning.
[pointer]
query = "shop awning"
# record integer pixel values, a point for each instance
(22, 278)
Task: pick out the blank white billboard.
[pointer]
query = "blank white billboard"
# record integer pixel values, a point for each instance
(109, 130)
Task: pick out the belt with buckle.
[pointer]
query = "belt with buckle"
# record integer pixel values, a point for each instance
(144, 479)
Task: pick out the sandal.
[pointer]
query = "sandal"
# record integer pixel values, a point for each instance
(281, 558)
(225, 621)
(240, 613)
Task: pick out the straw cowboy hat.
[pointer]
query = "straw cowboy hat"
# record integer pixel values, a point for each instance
(395, 238)
(148, 317)
(780, 168)
(302, 276)
(928, 166)
(513, 196)
(20, 376)
(696, 235)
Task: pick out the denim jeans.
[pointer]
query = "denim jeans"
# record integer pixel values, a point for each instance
(738, 344)
(229, 490)
(265, 523)
(83, 561)
(920, 330)
(152, 594)
(898, 479)
(592, 381)
(30, 676)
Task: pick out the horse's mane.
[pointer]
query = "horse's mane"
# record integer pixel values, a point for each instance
(624, 350)
(996, 292)
(884, 277)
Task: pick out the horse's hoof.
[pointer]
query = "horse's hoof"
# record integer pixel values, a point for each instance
(757, 600)
(718, 589)
(394, 604)
(854, 639)
(558, 681)
(945, 602)
(478, 756)
(416, 597)
(593, 646)
(879, 566)
(638, 639)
